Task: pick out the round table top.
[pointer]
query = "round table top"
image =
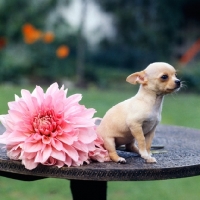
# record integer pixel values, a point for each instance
(179, 158)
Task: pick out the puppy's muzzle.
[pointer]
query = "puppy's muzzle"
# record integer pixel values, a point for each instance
(178, 83)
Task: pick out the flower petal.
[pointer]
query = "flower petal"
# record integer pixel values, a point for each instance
(71, 152)
(46, 153)
(87, 135)
(56, 144)
(29, 164)
(67, 138)
(32, 146)
(58, 155)
(39, 94)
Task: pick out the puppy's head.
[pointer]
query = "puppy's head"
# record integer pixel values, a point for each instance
(158, 77)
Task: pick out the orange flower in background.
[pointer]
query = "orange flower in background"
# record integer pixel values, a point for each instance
(27, 29)
(2, 42)
(62, 51)
(31, 34)
(48, 37)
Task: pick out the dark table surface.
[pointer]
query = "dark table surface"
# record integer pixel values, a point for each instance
(180, 157)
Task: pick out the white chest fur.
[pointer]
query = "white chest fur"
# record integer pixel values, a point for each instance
(154, 116)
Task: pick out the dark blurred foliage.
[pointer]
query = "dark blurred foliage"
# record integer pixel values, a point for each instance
(146, 30)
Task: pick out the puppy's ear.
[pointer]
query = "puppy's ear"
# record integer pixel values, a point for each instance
(138, 77)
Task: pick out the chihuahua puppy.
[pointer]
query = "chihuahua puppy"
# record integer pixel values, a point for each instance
(135, 119)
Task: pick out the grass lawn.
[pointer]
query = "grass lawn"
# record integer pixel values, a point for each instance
(178, 109)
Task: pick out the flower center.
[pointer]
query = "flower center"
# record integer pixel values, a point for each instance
(44, 124)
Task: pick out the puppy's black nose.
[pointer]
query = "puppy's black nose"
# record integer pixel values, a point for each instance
(178, 82)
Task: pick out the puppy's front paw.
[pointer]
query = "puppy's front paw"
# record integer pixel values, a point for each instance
(121, 160)
(151, 160)
(145, 155)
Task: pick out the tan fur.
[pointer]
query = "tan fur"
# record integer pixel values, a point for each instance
(135, 119)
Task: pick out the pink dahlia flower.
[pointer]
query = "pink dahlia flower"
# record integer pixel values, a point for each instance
(51, 129)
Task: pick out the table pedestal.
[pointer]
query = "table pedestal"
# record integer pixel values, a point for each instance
(90, 190)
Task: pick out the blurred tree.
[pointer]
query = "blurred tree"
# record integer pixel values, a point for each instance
(81, 46)
(145, 31)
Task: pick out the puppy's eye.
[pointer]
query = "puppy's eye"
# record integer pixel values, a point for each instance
(164, 77)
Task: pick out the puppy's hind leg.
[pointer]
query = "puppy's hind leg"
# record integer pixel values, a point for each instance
(109, 144)
(132, 147)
